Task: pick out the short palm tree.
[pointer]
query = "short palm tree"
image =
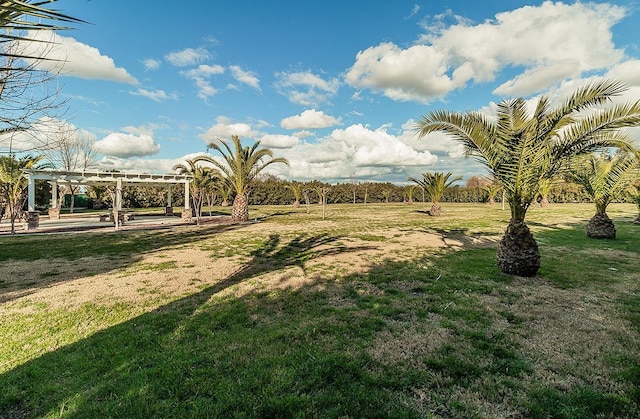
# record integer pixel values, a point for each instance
(604, 179)
(296, 188)
(520, 149)
(492, 190)
(13, 183)
(544, 189)
(435, 185)
(409, 191)
(203, 180)
(240, 166)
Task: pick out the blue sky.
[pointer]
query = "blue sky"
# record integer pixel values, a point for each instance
(333, 86)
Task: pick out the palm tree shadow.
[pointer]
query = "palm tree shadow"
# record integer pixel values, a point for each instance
(107, 355)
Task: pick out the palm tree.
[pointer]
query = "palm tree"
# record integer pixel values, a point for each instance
(492, 190)
(296, 188)
(435, 185)
(605, 178)
(520, 149)
(14, 18)
(409, 190)
(203, 179)
(13, 183)
(544, 189)
(240, 166)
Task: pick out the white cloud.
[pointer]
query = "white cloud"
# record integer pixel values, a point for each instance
(278, 141)
(549, 42)
(75, 58)
(150, 64)
(309, 119)
(627, 72)
(306, 88)
(187, 57)
(243, 76)
(418, 73)
(354, 151)
(224, 129)
(155, 95)
(127, 145)
(200, 77)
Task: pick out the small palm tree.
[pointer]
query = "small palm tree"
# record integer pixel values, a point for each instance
(520, 149)
(203, 179)
(544, 189)
(435, 185)
(604, 179)
(240, 166)
(409, 191)
(492, 190)
(13, 183)
(296, 188)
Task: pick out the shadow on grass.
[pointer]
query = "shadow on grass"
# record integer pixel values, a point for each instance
(121, 248)
(304, 352)
(197, 356)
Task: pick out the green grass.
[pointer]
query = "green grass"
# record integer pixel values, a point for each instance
(427, 332)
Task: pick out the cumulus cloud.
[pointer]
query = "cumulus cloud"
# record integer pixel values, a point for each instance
(278, 141)
(306, 88)
(187, 57)
(224, 129)
(309, 119)
(354, 151)
(549, 42)
(75, 58)
(123, 145)
(155, 95)
(246, 77)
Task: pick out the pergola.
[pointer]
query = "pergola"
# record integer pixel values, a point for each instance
(116, 179)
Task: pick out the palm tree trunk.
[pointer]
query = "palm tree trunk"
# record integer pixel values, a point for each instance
(435, 209)
(240, 209)
(600, 226)
(518, 252)
(296, 204)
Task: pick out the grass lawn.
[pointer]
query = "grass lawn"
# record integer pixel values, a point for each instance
(377, 310)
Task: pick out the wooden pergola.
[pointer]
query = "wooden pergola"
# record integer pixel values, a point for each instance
(115, 179)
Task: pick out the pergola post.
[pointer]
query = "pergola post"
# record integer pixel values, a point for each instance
(187, 214)
(33, 216)
(168, 209)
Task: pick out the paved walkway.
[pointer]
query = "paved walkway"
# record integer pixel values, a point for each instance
(90, 222)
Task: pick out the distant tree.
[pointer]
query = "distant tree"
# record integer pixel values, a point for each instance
(70, 151)
(241, 165)
(604, 179)
(435, 185)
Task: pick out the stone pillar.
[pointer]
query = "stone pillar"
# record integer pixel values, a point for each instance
(187, 215)
(54, 213)
(187, 198)
(32, 193)
(33, 220)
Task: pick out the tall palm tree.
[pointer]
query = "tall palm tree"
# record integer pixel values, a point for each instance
(435, 185)
(240, 166)
(604, 179)
(520, 149)
(13, 183)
